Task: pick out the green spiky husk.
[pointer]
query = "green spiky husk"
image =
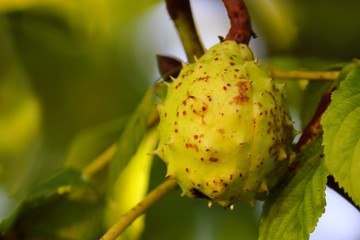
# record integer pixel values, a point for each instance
(225, 133)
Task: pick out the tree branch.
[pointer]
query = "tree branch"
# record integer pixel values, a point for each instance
(240, 22)
(180, 13)
(309, 75)
(139, 209)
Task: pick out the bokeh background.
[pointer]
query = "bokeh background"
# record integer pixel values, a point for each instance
(75, 70)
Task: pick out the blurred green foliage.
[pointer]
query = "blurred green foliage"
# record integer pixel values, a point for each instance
(68, 82)
(66, 66)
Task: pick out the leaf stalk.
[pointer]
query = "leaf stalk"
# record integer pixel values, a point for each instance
(100, 162)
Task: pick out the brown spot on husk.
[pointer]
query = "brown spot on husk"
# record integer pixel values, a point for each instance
(243, 87)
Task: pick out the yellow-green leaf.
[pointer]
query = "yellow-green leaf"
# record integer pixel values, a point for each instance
(131, 186)
(292, 211)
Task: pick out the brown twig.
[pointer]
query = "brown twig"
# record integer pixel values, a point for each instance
(313, 129)
(180, 13)
(240, 22)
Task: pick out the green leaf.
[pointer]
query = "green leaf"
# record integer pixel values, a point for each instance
(132, 135)
(341, 124)
(66, 181)
(65, 219)
(57, 218)
(292, 211)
